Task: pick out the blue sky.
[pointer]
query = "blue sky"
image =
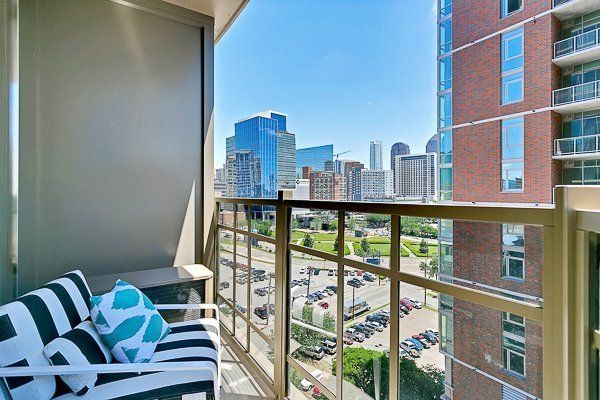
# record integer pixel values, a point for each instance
(345, 71)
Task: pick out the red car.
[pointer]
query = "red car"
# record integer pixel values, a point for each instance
(316, 392)
(407, 303)
(348, 340)
(324, 305)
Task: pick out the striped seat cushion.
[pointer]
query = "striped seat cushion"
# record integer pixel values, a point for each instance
(32, 321)
(196, 340)
(79, 346)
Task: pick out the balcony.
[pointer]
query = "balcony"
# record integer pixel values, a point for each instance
(298, 269)
(577, 49)
(577, 148)
(568, 9)
(578, 98)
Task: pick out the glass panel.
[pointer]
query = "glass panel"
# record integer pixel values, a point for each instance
(445, 36)
(481, 255)
(226, 314)
(263, 220)
(241, 285)
(241, 331)
(512, 88)
(445, 73)
(445, 110)
(474, 353)
(445, 147)
(262, 295)
(315, 229)
(262, 352)
(313, 315)
(368, 238)
(226, 214)
(300, 388)
(419, 243)
(242, 216)
(366, 338)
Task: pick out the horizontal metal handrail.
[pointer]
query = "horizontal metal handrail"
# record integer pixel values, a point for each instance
(576, 93)
(577, 145)
(524, 214)
(577, 43)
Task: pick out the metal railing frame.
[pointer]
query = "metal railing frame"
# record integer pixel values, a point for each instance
(575, 46)
(564, 232)
(574, 140)
(573, 93)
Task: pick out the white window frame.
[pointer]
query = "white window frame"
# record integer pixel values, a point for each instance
(504, 9)
(508, 164)
(509, 77)
(513, 229)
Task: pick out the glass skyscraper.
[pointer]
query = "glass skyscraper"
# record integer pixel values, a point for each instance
(313, 157)
(270, 159)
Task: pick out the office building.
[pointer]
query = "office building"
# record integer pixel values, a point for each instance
(306, 172)
(229, 145)
(313, 157)
(432, 144)
(415, 176)
(272, 159)
(517, 115)
(398, 149)
(329, 166)
(230, 176)
(327, 185)
(376, 184)
(302, 190)
(376, 155)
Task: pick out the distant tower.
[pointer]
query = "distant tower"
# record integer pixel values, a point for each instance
(432, 145)
(398, 149)
(376, 155)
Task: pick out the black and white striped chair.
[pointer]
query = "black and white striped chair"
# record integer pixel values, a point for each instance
(186, 361)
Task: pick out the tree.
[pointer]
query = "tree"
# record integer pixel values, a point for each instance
(423, 247)
(377, 220)
(317, 223)
(333, 225)
(308, 241)
(335, 244)
(264, 227)
(430, 270)
(365, 246)
(417, 383)
(294, 223)
(351, 224)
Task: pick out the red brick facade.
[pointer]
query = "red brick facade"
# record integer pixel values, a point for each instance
(477, 161)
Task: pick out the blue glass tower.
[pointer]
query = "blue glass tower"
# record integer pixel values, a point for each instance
(313, 157)
(258, 135)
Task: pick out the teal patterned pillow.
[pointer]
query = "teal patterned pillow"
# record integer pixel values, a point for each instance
(128, 323)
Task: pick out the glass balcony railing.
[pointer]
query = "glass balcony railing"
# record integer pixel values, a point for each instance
(360, 300)
(574, 146)
(577, 43)
(577, 93)
(557, 3)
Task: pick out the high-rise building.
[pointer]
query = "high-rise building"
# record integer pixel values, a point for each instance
(376, 185)
(432, 144)
(329, 165)
(352, 176)
(327, 185)
(518, 109)
(230, 176)
(415, 176)
(306, 172)
(314, 157)
(302, 190)
(398, 149)
(272, 155)
(286, 158)
(376, 155)
(229, 146)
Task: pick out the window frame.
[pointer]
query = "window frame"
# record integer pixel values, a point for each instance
(504, 9)
(508, 164)
(507, 351)
(516, 74)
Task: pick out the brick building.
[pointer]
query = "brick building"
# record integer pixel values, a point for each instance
(327, 185)
(518, 113)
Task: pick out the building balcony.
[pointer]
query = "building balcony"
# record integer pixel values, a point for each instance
(568, 9)
(577, 49)
(577, 148)
(578, 98)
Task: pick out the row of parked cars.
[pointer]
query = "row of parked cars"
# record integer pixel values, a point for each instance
(413, 346)
(376, 322)
(318, 295)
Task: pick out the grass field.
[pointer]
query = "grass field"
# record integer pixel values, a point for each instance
(328, 247)
(414, 247)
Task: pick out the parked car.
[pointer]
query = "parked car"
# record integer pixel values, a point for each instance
(375, 325)
(223, 285)
(330, 273)
(314, 352)
(303, 270)
(262, 291)
(368, 277)
(434, 332)
(378, 318)
(355, 335)
(330, 292)
(324, 305)
(354, 283)
(316, 393)
(316, 271)
(333, 288)
(407, 303)
(319, 295)
(368, 331)
(306, 385)
(416, 342)
(404, 354)
(430, 336)
(348, 340)
(404, 310)
(329, 346)
(423, 340)
(416, 303)
(271, 308)
(261, 312)
(410, 348)
(241, 308)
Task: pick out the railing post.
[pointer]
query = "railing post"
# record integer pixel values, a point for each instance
(395, 253)
(282, 234)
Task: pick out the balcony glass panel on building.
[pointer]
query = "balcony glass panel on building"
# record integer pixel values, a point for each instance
(445, 110)
(445, 36)
(445, 71)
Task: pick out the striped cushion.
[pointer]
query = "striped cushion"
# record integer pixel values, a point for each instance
(80, 346)
(188, 341)
(34, 320)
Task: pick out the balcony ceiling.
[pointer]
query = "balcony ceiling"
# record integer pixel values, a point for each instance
(574, 8)
(580, 57)
(223, 11)
(579, 106)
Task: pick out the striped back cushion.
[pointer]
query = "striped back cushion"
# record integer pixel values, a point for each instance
(80, 346)
(34, 320)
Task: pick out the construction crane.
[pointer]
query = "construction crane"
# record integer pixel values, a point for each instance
(337, 156)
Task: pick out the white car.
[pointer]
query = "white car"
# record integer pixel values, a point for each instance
(306, 385)
(303, 271)
(416, 303)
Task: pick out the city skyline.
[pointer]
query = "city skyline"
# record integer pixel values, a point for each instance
(324, 109)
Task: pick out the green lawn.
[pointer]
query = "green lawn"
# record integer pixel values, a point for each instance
(384, 248)
(328, 247)
(414, 247)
